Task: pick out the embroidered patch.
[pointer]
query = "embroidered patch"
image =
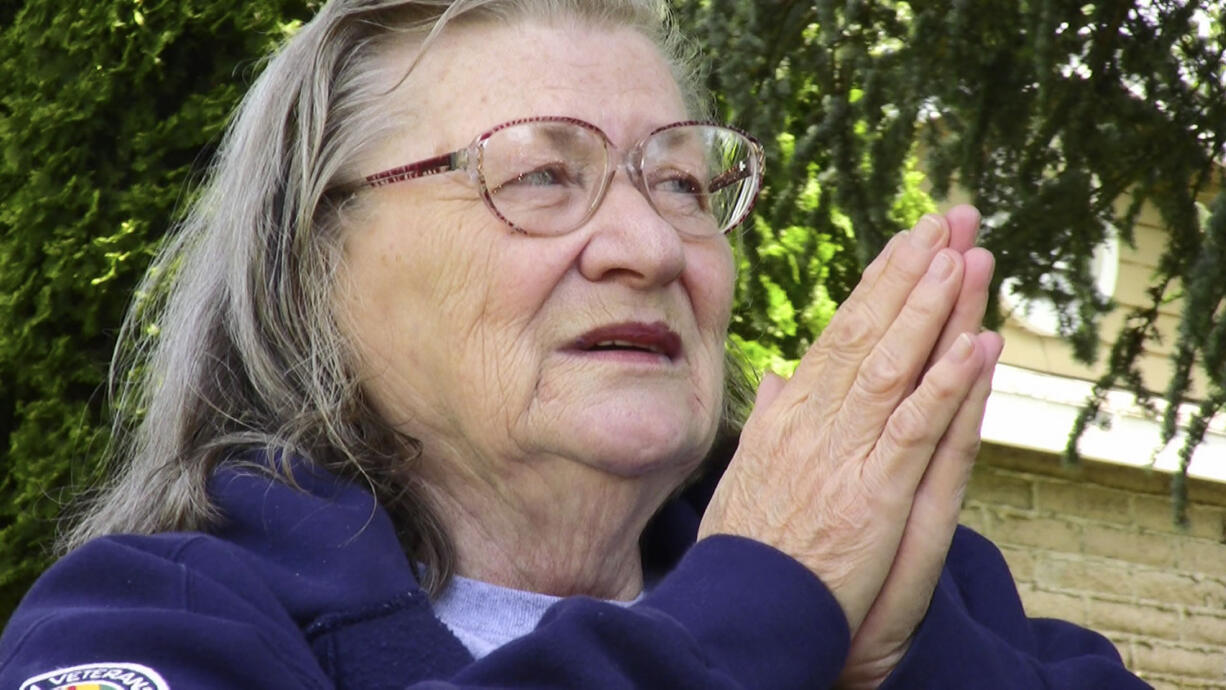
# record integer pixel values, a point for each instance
(103, 676)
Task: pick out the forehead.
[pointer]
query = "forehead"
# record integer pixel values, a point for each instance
(480, 75)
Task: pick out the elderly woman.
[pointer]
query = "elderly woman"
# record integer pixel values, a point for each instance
(447, 332)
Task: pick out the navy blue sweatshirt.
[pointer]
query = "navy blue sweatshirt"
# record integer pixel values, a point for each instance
(309, 588)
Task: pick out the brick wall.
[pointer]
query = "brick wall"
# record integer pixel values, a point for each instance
(1097, 545)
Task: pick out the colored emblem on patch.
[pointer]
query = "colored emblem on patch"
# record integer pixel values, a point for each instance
(102, 676)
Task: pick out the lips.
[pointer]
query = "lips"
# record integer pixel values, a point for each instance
(650, 338)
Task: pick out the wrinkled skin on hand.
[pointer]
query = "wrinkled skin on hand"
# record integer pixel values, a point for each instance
(856, 466)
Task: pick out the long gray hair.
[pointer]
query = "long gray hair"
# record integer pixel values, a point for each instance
(233, 344)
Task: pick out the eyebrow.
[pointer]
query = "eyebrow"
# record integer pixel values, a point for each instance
(564, 137)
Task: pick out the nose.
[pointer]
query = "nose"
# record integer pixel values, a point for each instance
(629, 241)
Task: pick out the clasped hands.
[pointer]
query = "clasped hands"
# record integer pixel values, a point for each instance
(856, 466)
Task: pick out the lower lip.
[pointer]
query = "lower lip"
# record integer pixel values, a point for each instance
(623, 356)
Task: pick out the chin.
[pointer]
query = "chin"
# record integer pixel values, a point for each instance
(628, 426)
(633, 443)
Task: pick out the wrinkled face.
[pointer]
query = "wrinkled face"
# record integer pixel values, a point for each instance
(602, 347)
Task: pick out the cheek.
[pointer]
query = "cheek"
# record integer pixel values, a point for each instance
(417, 263)
(710, 283)
(408, 288)
(523, 279)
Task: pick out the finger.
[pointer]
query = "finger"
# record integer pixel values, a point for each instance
(967, 315)
(918, 235)
(903, 454)
(939, 497)
(865, 316)
(890, 371)
(933, 518)
(876, 267)
(892, 473)
(903, 449)
(963, 222)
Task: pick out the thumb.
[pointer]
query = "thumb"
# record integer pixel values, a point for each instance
(768, 390)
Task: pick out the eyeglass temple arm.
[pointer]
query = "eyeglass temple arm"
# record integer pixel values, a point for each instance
(729, 177)
(456, 160)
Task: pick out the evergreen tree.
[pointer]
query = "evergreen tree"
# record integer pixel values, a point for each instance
(105, 109)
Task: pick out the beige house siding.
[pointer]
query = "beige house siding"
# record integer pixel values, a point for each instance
(1136, 267)
(1096, 545)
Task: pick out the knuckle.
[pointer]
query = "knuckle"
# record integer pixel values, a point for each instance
(873, 272)
(967, 448)
(925, 312)
(926, 306)
(904, 271)
(814, 360)
(877, 267)
(850, 330)
(911, 426)
(881, 375)
(939, 388)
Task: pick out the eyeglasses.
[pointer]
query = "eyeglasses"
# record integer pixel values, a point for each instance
(548, 175)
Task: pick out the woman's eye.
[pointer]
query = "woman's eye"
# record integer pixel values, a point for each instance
(679, 193)
(679, 184)
(542, 177)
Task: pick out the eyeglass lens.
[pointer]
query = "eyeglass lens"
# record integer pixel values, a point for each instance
(545, 177)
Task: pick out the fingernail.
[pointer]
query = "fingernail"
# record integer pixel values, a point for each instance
(941, 266)
(962, 348)
(927, 233)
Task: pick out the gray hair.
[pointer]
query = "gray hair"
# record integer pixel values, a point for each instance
(233, 345)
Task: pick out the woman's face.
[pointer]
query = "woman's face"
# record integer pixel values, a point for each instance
(477, 340)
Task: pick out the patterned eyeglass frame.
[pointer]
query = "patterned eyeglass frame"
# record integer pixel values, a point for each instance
(469, 159)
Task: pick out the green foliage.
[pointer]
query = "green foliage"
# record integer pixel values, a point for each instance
(106, 107)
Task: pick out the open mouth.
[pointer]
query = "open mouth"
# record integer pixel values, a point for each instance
(646, 338)
(623, 345)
